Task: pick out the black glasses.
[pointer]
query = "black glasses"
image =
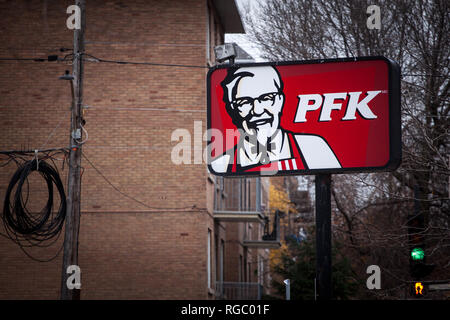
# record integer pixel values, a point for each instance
(249, 102)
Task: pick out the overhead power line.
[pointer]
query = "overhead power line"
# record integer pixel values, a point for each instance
(130, 197)
(32, 151)
(95, 59)
(49, 58)
(143, 63)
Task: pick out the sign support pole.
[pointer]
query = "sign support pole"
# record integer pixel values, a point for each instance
(323, 236)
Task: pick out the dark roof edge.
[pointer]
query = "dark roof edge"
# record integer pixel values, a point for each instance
(229, 16)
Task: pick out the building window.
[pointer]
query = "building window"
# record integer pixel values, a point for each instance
(219, 194)
(222, 250)
(249, 195)
(219, 259)
(240, 268)
(245, 265)
(261, 270)
(217, 256)
(214, 33)
(208, 259)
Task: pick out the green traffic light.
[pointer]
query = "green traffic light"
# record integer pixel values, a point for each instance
(417, 254)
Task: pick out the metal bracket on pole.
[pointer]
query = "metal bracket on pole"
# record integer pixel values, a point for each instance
(76, 134)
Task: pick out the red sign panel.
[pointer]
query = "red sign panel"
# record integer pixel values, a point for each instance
(324, 116)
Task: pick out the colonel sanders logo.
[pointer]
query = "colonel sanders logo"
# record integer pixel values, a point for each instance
(254, 99)
(334, 116)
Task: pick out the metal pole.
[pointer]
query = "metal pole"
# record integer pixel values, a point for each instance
(74, 179)
(323, 236)
(315, 290)
(287, 282)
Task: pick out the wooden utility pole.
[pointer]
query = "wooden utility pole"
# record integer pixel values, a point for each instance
(74, 180)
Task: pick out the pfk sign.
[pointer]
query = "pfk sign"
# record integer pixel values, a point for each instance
(324, 116)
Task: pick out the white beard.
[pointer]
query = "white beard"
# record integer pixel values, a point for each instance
(262, 134)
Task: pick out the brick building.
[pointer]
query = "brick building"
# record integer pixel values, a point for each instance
(173, 231)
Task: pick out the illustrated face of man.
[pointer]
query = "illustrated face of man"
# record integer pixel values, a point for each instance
(258, 101)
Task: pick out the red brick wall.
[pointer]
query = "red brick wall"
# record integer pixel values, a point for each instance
(127, 250)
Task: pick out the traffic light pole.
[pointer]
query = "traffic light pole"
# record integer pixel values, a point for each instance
(323, 236)
(419, 269)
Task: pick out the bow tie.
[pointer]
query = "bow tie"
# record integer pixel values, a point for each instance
(259, 148)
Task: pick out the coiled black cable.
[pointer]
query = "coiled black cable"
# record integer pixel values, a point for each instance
(33, 228)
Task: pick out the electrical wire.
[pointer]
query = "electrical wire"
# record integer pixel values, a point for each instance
(47, 151)
(24, 59)
(143, 63)
(49, 58)
(95, 59)
(85, 139)
(53, 131)
(27, 228)
(132, 198)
